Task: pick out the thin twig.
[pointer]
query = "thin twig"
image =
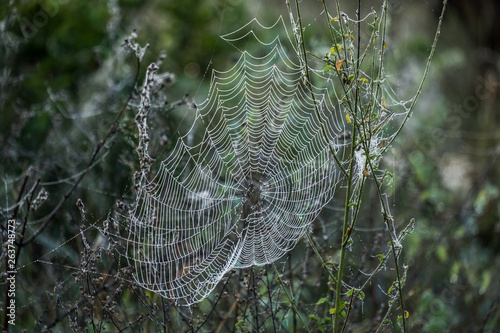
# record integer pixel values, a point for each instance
(48, 219)
(424, 76)
(215, 304)
(290, 299)
(323, 264)
(18, 250)
(301, 45)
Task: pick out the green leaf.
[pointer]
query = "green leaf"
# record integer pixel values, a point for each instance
(313, 317)
(381, 258)
(322, 301)
(327, 68)
(352, 204)
(357, 291)
(407, 314)
(442, 253)
(335, 48)
(390, 289)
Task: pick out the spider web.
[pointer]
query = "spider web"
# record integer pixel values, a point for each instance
(245, 193)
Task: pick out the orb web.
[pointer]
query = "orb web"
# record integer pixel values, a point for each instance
(245, 192)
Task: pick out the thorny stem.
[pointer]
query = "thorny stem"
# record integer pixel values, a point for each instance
(48, 219)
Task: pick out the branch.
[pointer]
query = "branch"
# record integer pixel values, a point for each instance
(111, 132)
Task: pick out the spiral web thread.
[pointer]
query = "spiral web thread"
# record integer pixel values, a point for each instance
(246, 191)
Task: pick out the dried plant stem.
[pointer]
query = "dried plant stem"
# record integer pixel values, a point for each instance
(289, 297)
(48, 219)
(323, 264)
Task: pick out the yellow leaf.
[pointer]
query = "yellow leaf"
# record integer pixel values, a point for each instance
(335, 48)
(334, 19)
(332, 311)
(383, 104)
(407, 314)
(366, 173)
(339, 64)
(348, 118)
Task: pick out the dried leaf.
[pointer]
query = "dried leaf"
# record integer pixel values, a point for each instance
(338, 64)
(366, 173)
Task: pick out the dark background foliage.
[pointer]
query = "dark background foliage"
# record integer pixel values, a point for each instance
(64, 78)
